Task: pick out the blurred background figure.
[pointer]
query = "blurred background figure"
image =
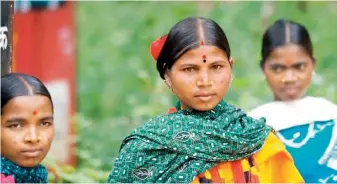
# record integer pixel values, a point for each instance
(94, 59)
(305, 124)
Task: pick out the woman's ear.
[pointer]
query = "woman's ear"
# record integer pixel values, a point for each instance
(168, 81)
(231, 61)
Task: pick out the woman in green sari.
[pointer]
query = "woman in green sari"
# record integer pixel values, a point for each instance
(206, 139)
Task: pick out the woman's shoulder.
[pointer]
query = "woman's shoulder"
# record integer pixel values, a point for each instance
(260, 111)
(306, 102)
(283, 115)
(320, 101)
(161, 120)
(149, 129)
(276, 164)
(271, 148)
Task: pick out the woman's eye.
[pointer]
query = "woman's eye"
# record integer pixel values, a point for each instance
(16, 125)
(300, 67)
(189, 69)
(46, 123)
(278, 69)
(216, 67)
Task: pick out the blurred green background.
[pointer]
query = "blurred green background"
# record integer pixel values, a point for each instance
(118, 86)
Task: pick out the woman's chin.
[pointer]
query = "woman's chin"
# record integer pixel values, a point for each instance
(206, 106)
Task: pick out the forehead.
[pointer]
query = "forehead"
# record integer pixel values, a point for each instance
(22, 104)
(289, 53)
(211, 52)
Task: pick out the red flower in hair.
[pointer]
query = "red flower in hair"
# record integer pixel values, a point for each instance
(157, 46)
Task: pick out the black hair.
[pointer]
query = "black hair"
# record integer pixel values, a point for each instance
(19, 84)
(188, 34)
(284, 32)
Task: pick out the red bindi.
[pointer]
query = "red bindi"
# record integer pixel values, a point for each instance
(35, 113)
(204, 58)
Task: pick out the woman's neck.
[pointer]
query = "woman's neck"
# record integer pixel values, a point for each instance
(277, 99)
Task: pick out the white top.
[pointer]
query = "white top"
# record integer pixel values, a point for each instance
(281, 115)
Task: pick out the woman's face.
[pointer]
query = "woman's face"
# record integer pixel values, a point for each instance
(288, 71)
(200, 78)
(27, 129)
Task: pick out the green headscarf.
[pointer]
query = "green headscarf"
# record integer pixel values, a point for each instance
(179, 146)
(36, 174)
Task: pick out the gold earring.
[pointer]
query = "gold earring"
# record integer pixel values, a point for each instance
(168, 84)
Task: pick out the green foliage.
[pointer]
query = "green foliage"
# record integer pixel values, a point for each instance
(119, 87)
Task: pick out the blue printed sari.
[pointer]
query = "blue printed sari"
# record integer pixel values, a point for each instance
(314, 149)
(308, 129)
